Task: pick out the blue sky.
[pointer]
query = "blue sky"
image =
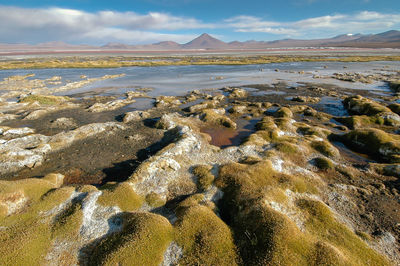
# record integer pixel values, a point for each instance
(148, 21)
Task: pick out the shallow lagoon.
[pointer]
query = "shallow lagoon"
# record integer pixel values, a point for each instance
(177, 80)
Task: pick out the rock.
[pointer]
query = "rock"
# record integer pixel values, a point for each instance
(135, 116)
(236, 92)
(306, 99)
(109, 106)
(135, 94)
(167, 101)
(203, 105)
(64, 122)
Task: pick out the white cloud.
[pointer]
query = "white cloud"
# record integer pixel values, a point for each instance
(76, 26)
(323, 26)
(35, 25)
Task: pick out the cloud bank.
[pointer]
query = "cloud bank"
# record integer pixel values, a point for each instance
(323, 26)
(32, 25)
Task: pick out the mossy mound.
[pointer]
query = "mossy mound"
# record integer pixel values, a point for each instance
(265, 236)
(286, 147)
(27, 236)
(363, 106)
(215, 118)
(121, 195)
(346, 244)
(142, 241)
(360, 121)
(204, 237)
(204, 175)
(323, 163)
(44, 99)
(154, 200)
(325, 148)
(283, 112)
(395, 107)
(375, 142)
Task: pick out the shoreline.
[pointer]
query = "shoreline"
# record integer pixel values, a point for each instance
(151, 61)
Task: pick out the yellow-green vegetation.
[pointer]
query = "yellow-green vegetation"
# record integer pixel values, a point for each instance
(265, 236)
(204, 175)
(395, 85)
(360, 121)
(363, 106)
(66, 224)
(204, 237)
(323, 163)
(395, 107)
(286, 147)
(142, 241)
(283, 112)
(321, 223)
(213, 117)
(375, 142)
(127, 61)
(325, 148)
(154, 200)
(27, 236)
(267, 123)
(121, 195)
(44, 99)
(307, 130)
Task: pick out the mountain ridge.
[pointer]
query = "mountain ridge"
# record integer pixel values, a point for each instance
(388, 39)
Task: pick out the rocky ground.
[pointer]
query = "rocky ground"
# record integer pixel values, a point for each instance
(270, 174)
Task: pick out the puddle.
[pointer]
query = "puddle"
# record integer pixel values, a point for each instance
(186, 105)
(226, 137)
(140, 104)
(352, 156)
(268, 92)
(332, 106)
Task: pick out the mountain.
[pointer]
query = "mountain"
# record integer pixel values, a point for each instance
(205, 41)
(388, 39)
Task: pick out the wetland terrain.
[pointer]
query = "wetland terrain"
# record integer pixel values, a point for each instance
(200, 160)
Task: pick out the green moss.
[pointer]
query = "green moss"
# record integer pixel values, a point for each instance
(212, 117)
(283, 112)
(286, 147)
(321, 223)
(67, 223)
(363, 106)
(154, 200)
(204, 175)
(375, 142)
(44, 99)
(205, 238)
(27, 236)
(325, 148)
(121, 195)
(359, 121)
(142, 241)
(267, 124)
(395, 107)
(323, 163)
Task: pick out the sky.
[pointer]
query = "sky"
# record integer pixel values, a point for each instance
(149, 21)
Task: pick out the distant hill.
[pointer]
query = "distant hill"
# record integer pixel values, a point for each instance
(389, 39)
(205, 41)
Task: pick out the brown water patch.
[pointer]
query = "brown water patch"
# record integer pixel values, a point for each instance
(225, 137)
(351, 156)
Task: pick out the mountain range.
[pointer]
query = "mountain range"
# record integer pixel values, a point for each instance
(389, 39)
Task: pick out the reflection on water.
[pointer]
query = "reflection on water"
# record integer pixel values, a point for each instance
(177, 80)
(225, 137)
